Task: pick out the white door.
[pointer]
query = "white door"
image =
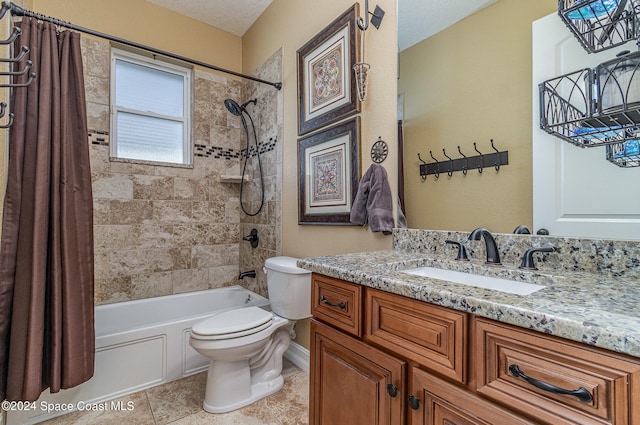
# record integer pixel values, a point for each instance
(576, 191)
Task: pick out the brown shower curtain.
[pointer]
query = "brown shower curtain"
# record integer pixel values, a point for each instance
(46, 254)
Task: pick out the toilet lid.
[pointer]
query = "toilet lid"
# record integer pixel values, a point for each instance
(234, 323)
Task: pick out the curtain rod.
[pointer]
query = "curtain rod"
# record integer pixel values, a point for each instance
(18, 11)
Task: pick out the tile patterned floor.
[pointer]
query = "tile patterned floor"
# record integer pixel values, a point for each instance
(180, 403)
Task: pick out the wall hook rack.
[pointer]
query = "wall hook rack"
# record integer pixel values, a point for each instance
(464, 163)
(24, 50)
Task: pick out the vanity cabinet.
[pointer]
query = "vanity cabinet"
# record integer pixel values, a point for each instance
(381, 358)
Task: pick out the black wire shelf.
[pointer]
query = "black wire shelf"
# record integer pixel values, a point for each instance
(596, 107)
(601, 24)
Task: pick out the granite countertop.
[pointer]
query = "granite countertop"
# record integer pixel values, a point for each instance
(592, 308)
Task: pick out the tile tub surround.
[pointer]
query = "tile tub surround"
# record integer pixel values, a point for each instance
(592, 294)
(163, 230)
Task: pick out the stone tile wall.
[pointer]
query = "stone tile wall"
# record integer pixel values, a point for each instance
(162, 230)
(267, 114)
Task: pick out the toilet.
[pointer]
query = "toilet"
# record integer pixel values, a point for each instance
(245, 345)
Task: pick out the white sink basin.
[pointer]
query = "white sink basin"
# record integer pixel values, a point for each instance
(487, 282)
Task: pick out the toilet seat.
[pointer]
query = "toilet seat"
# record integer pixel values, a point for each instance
(233, 324)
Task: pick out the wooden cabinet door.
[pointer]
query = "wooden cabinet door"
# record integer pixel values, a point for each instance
(352, 383)
(433, 401)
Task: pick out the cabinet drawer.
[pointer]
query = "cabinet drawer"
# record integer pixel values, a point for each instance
(433, 336)
(601, 383)
(337, 303)
(434, 401)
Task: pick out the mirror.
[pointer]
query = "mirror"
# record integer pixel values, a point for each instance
(470, 83)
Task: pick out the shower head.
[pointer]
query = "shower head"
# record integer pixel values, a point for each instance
(233, 107)
(236, 109)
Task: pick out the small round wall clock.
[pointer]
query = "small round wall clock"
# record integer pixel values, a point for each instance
(379, 151)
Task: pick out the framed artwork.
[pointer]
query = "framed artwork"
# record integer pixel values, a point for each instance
(328, 172)
(326, 81)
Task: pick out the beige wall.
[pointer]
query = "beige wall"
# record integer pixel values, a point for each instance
(289, 24)
(472, 83)
(145, 23)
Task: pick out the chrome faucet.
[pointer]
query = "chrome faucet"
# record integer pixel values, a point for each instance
(493, 256)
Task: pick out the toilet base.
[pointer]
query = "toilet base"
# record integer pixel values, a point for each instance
(258, 391)
(235, 381)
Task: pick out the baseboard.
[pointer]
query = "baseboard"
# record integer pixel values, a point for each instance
(298, 355)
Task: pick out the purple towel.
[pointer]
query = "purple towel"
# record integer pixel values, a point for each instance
(373, 202)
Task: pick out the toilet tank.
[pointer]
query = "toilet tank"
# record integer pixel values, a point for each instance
(289, 288)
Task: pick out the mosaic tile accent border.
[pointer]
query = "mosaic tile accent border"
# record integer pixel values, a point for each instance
(230, 153)
(207, 151)
(99, 137)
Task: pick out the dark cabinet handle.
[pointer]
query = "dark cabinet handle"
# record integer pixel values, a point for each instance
(341, 305)
(581, 393)
(414, 402)
(392, 390)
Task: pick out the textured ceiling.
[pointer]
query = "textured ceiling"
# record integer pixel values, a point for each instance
(420, 19)
(417, 19)
(234, 16)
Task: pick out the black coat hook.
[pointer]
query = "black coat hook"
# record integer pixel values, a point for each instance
(496, 164)
(481, 159)
(450, 170)
(465, 167)
(436, 174)
(422, 176)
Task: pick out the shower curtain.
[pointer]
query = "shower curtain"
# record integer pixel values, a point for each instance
(46, 253)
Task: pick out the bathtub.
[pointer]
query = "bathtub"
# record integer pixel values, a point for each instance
(140, 344)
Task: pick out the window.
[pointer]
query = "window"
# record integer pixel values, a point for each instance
(150, 109)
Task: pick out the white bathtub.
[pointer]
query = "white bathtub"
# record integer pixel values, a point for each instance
(140, 344)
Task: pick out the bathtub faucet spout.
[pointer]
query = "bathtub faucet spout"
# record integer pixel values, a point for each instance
(250, 273)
